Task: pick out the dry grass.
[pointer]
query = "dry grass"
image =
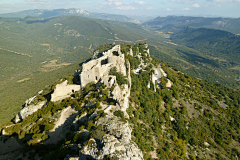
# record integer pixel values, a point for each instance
(141, 40)
(45, 44)
(52, 65)
(22, 80)
(236, 68)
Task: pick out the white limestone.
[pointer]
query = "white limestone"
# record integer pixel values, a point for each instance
(117, 143)
(26, 111)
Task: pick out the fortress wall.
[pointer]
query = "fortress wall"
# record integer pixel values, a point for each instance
(118, 61)
(109, 80)
(104, 69)
(112, 59)
(96, 69)
(86, 77)
(97, 73)
(108, 53)
(63, 91)
(89, 65)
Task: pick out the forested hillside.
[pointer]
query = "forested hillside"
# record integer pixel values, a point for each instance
(219, 48)
(176, 23)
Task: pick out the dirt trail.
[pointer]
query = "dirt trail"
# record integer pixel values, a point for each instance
(24, 54)
(62, 125)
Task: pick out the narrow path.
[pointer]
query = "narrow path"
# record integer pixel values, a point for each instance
(24, 54)
(62, 126)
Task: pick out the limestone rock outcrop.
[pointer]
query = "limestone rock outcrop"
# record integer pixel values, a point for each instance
(63, 91)
(117, 143)
(26, 111)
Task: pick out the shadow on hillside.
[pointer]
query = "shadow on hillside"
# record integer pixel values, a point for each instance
(193, 58)
(29, 21)
(60, 132)
(12, 144)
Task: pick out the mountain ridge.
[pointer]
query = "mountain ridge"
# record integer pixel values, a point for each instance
(48, 13)
(176, 23)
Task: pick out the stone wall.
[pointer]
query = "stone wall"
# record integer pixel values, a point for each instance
(96, 69)
(63, 91)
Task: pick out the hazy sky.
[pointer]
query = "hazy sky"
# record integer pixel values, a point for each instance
(223, 8)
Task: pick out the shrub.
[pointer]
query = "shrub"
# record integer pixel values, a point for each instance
(78, 107)
(90, 125)
(98, 133)
(119, 114)
(104, 114)
(103, 98)
(82, 127)
(100, 112)
(49, 126)
(78, 138)
(112, 88)
(96, 118)
(121, 79)
(98, 106)
(45, 136)
(37, 136)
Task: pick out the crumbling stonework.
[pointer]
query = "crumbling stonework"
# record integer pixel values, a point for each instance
(97, 69)
(63, 91)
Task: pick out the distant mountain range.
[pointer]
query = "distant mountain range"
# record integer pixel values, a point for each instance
(175, 23)
(68, 12)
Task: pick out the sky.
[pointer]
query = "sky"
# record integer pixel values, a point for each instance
(205, 8)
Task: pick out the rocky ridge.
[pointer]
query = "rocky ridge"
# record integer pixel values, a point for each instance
(117, 140)
(109, 119)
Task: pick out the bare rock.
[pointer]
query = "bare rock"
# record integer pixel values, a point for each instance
(26, 111)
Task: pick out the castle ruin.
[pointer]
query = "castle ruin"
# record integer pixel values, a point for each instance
(97, 69)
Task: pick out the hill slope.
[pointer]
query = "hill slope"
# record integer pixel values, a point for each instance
(220, 47)
(175, 23)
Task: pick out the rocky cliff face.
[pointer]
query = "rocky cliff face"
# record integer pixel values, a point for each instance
(117, 143)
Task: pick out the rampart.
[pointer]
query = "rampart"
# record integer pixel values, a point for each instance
(96, 69)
